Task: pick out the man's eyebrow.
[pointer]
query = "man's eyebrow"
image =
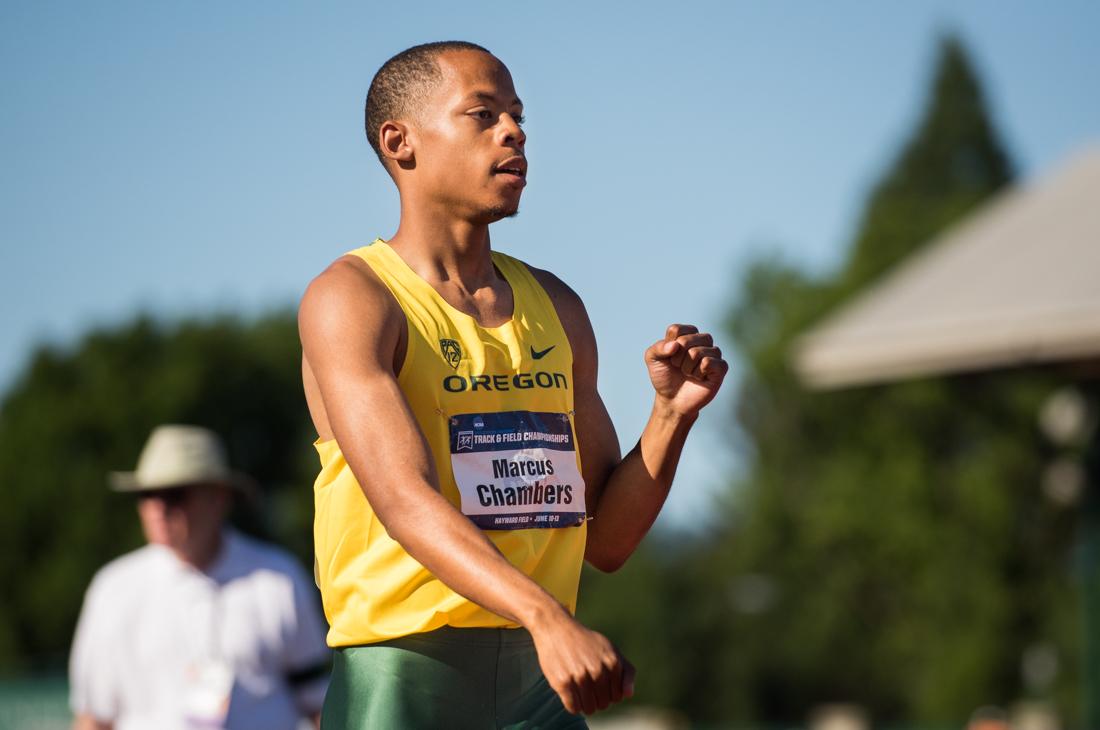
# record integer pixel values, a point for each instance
(486, 96)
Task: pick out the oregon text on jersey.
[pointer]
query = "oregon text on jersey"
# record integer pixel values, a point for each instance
(519, 381)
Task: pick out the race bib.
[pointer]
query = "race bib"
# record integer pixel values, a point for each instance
(517, 470)
(206, 696)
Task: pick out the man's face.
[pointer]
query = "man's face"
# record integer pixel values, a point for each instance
(469, 155)
(186, 519)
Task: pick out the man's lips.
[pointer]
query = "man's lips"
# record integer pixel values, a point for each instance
(516, 166)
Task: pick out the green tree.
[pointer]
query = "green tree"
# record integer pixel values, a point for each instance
(897, 534)
(953, 162)
(74, 415)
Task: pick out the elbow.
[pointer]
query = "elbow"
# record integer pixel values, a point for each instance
(606, 561)
(609, 566)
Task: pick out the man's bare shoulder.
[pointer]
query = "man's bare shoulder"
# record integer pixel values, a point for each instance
(566, 301)
(348, 290)
(573, 316)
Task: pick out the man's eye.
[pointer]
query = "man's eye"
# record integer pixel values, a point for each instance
(520, 119)
(484, 114)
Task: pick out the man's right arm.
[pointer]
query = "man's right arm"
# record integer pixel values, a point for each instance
(91, 682)
(350, 328)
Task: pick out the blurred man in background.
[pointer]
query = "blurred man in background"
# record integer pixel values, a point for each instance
(202, 627)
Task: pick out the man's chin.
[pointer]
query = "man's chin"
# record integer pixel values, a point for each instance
(500, 213)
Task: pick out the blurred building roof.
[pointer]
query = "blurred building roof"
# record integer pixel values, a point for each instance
(1016, 282)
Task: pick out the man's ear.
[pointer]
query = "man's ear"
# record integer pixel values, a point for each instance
(393, 140)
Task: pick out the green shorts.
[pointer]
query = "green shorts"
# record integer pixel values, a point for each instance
(481, 679)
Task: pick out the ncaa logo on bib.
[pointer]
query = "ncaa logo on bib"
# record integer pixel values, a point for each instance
(452, 353)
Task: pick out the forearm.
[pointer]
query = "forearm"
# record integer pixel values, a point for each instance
(445, 542)
(581, 666)
(636, 489)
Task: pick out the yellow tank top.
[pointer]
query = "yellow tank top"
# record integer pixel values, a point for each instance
(496, 407)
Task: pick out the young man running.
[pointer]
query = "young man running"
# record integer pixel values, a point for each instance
(468, 463)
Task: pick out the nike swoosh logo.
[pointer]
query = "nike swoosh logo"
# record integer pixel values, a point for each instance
(539, 354)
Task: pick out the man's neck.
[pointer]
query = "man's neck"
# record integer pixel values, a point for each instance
(445, 250)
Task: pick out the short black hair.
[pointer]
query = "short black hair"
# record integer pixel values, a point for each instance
(403, 82)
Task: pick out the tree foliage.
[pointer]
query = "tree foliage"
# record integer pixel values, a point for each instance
(953, 161)
(890, 545)
(911, 554)
(75, 415)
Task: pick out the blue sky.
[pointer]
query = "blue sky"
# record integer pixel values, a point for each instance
(196, 157)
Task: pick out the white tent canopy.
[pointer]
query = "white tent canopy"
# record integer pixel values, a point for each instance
(1017, 282)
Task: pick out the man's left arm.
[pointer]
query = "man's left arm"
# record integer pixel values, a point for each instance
(624, 495)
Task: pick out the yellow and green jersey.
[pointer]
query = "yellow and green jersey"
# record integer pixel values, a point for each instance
(496, 407)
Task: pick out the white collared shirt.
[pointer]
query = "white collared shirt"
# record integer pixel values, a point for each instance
(150, 619)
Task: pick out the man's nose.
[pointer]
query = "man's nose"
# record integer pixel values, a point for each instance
(513, 133)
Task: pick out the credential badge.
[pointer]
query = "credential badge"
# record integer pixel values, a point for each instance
(452, 353)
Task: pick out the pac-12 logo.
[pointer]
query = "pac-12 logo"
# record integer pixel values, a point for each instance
(452, 353)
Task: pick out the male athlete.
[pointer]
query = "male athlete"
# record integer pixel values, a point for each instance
(468, 465)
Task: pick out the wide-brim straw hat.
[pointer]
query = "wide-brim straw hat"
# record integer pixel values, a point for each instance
(179, 456)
